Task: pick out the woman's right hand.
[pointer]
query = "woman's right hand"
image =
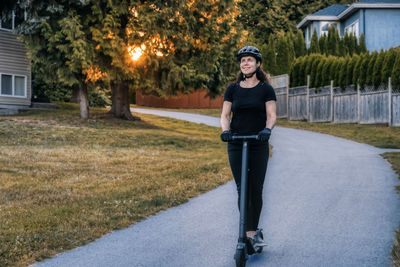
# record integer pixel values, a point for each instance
(226, 136)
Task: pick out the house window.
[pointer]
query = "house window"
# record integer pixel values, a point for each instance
(352, 28)
(6, 21)
(325, 26)
(11, 19)
(13, 85)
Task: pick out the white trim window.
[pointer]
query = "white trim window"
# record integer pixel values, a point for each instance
(13, 85)
(10, 20)
(352, 28)
(309, 32)
(324, 25)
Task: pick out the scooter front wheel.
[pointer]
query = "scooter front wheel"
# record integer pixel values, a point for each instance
(240, 263)
(241, 255)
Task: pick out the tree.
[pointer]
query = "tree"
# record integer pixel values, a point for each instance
(377, 70)
(333, 69)
(388, 62)
(314, 46)
(59, 43)
(314, 70)
(325, 70)
(363, 69)
(333, 42)
(318, 76)
(343, 72)
(302, 76)
(323, 43)
(395, 80)
(350, 69)
(294, 72)
(370, 69)
(283, 57)
(343, 50)
(363, 47)
(269, 52)
(300, 44)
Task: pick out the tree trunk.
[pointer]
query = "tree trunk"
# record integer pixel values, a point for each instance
(83, 101)
(75, 94)
(120, 101)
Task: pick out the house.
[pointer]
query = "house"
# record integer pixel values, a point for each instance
(379, 20)
(15, 73)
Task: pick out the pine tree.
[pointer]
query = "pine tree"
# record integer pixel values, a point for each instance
(370, 69)
(325, 70)
(338, 69)
(350, 69)
(343, 51)
(300, 44)
(363, 47)
(313, 71)
(314, 46)
(61, 51)
(343, 72)
(388, 62)
(377, 70)
(290, 41)
(283, 57)
(318, 76)
(333, 41)
(323, 44)
(363, 70)
(357, 68)
(294, 72)
(302, 76)
(333, 69)
(395, 76)
(270, 54)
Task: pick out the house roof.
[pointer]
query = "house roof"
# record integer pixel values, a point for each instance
(379, 1)
(339, 12)
(333, 10)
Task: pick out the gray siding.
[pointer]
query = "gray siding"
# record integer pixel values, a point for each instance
(14, 60)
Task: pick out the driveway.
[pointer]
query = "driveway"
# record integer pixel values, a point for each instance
(327, 201)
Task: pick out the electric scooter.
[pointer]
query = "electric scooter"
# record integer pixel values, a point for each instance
(243, 248)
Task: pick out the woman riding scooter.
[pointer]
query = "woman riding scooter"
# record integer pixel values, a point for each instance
(252, 101)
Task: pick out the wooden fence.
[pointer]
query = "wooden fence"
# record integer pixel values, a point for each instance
(332, 104)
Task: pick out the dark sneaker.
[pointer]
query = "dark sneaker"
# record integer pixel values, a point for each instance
(259, 239)
(250, 245)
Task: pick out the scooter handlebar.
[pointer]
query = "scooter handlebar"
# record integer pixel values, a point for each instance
(245, 137)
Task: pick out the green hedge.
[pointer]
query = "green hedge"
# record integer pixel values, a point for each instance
(365, 69)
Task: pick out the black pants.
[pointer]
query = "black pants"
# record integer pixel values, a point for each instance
(257, 164)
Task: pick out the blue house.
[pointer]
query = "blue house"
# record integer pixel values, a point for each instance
(379, 20)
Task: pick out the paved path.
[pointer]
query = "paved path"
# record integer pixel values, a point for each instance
(327, 202)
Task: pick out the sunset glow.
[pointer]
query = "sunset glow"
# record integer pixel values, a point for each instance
(136, 52)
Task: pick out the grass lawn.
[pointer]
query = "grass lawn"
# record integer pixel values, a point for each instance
(375, 135)
(65, 181)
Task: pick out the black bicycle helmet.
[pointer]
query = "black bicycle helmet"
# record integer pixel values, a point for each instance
(249, 51)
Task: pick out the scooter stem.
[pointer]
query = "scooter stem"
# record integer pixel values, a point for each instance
(243, 191)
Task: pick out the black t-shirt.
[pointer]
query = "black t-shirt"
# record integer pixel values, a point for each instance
(248, 107)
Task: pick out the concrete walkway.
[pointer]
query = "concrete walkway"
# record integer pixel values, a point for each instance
(327, 202)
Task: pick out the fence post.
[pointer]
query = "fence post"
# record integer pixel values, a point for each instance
(390, 101)
(358, 103)
(331, 100)
(287, 97)
(308, 98)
